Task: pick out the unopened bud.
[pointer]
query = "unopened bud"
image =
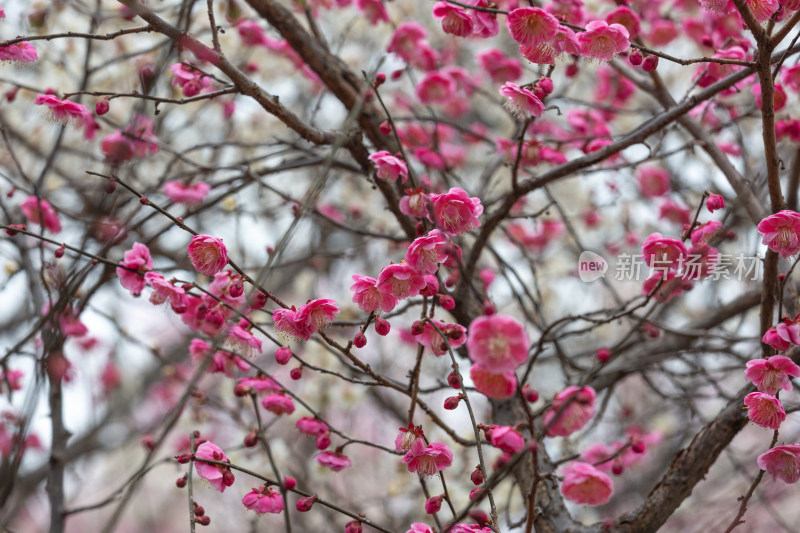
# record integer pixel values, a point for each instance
(360, 340)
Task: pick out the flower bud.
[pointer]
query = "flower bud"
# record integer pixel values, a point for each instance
(296, 373)
(181, 482)
(183, 458)
(360, 340)
(417, 328)
(101, 107)
(453, 381)
(530, 394)
(452, 402)
(203, 520)
(354, 526)
(382, 326)
(476, 476)
(433, 504)
(603, 354)
(650, 63)
(635, 57)
(323, 441)
(227, 478)
(258, 300)
(380, 79)
(385, 127)
(447, 302)
(251, 439)
(289, 483)
(283, 355)
(305, 504)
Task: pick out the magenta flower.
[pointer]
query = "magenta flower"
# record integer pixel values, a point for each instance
(430, 460)
(287, 323)
(278, 404)
(389, 167)
(663, 252)
(763, 9)
(400, 280)
(436, 88)
(419, 527)
(782, 462)
(117, 147)
(407, 39)
(714, 202)
(499, 67)
(258, 384)
(39, 211)
(789, 330)
(454, 212)
(706, 232)
(23, 52)
(243, 341)
(427, 252)
(251, 33)
(186, 193)
(316, 314)
(771, 374)
(334, 461)
(413, 203)
(264, 500)
(455, 19)
(585, 484)
(164, 291)
(137, 259)
(563, 42)
(368, 297)
(764, 410)
(530, 26)
(653, 181)
(522, 103)
(781, 232)
(492, 384)
(672, 285)
(497, 342)
(312, 426)
(505, 438)
(574, 406)
(602, 40)
(63, 110)
(626, 17)
(219, 476)
(208, 254)
(431, 339)
(773, 338)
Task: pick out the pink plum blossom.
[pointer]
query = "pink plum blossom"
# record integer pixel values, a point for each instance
(714, 202)
(287, 323)
(436, 88)
(431, 339)
(781, 232)
(764, 410)
(522, 103)
(334, 461)
(278, 404)
(135, 263)
(499, 67)
(186, 193)
(763, 9)
(263, 500)
(454, 212)
(208, 254)
(430, 460)
(505, 438)
(585, 484)
(400, 280)
(373, 10)
(563, 42)
(653, 181)
(772, 373)
(497, 342)
(164, 291)
(23, 52)
(63, 110)
(39, 211)
(773, 338)
(311, 426)
(602, 40)
(571, 410)
(426, 253)
(782, 462)
(531, 26)
(413, 203)
(243, 341)
(389, 167)
(407, 39)
(220, 477)
(368, 297)
(317, 314)
(492, 384)
(455, 19)
(625, 16)
(663, 252)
